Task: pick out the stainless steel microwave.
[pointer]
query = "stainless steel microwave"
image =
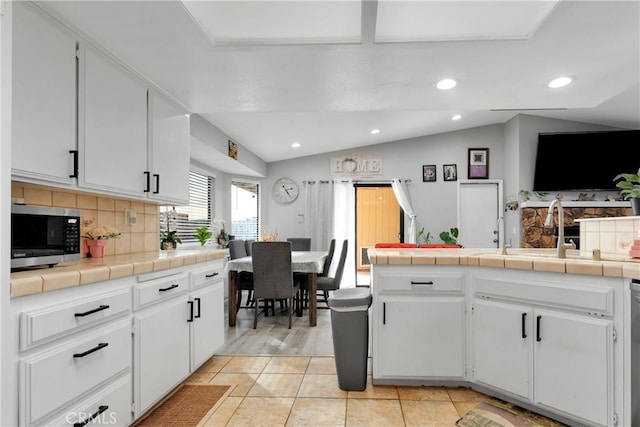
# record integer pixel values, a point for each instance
(44, 235)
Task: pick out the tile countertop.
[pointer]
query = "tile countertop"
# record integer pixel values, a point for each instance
(518, 258)
(91, 270)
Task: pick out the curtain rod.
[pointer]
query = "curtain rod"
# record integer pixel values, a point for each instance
(357, 181)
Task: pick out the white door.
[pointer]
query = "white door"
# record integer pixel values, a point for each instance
(479, 207)
(207, 327)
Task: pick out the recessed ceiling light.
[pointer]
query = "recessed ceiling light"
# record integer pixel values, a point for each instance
(445, 84)
(375, 131)
(456, 117)
(560, 81)
(295, 145)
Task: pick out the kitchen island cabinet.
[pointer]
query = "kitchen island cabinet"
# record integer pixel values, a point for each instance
(44, 99)
(543, 339)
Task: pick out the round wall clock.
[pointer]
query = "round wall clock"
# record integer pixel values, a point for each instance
(285, 190)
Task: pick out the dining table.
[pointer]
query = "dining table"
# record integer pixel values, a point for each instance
(310, 262)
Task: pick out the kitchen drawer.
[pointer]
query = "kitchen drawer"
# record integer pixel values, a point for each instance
(55, 377)
(110, 406)
(569, 294)
(47, 324)
(158, 290)
(204, 276)
(420, 282)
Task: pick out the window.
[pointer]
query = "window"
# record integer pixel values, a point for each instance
(245, 210)
(198, 213)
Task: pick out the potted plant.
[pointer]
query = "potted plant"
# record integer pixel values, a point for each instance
(96, 240)
(203, 235)
(450, 237)
(223, 236)
(629, 185)
(170, 240)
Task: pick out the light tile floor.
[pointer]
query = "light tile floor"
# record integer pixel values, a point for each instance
(303, 391)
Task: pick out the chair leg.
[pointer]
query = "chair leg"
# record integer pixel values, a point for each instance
(238, 299)
(289, 312)
(255, 316)
(249, 298)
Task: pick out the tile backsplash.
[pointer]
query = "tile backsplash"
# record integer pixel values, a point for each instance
(613, 236)
(99, 211)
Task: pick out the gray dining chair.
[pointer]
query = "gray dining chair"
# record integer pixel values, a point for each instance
(247, 246)
(328, 283)
(237, 249)
(300, 243)
(273, 276)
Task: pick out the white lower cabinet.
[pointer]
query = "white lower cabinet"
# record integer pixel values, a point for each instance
(421, 338)
(178, 325)
(555, 351)
(418, 326)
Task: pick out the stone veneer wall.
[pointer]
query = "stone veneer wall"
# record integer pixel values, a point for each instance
(97, 211)
(535, 235)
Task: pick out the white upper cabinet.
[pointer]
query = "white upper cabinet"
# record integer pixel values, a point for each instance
(43, 100)
(169, 136)
(112, 126)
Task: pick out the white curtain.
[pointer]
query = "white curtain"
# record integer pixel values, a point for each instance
(319, 213)
(405, 204)
(344, 227)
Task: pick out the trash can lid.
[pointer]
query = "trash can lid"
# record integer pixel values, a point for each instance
(351, 299)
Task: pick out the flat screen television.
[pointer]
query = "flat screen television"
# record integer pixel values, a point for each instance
(585, 161)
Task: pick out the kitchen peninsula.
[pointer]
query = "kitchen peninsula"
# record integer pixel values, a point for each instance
(548, 334)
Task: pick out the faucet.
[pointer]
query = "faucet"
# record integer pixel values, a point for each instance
(562, 245)
(497, 232)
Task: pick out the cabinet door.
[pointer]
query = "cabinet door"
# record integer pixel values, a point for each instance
(161, 351)
(207, 327)
(573, 365)
(421, 337)
(44, 98)
(113, 127)
(168, 151)
(503, 335)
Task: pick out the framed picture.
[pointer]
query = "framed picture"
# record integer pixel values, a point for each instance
(428, 173)
(478, 163)
(233, 150)
(450, 172)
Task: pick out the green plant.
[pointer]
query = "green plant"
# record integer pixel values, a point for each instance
(426, 237)
(171, 237)
(203, 234)
(450, 237)
(629, 185)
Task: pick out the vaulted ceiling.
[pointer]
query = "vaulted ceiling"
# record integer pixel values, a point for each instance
(325, 73)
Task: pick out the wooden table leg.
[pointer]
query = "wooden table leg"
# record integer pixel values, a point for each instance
(233, 296)
(313, 299)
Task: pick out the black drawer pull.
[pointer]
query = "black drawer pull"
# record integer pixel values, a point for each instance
(524, 320)
(157, 177)
(100, 410)
(209, 276)
(198, 305)
(175, 285)
(75, 163)
(190, 319)
(95, 310)
(415, 282)
(384, 313)
(538, 338)
(88, 352)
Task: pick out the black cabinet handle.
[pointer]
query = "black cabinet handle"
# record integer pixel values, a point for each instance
(100, 410)
(209, 276)
(384, 313)
(198, 305)
(524, 329)
(538, 338)
(415, 282)
(75, 163)
(157, 177)
(147, 175)
(190, 319)
(95, 310)
(175, 285)
(88, 352)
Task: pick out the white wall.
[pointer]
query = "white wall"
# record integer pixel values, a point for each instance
(434, 202)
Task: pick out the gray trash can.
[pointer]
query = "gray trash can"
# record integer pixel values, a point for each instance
(350, 330)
